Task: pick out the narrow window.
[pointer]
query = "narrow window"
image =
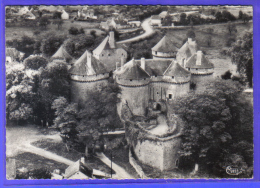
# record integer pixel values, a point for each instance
(108, 54)
(157, 93)
(170, 96)
(155, 52)
(102, 54)
(131, 80)
(144, 78)
(172, 77)
(189, 69)
(196, 69)
(155, 75)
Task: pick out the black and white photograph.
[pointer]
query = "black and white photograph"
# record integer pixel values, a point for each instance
(129, 92)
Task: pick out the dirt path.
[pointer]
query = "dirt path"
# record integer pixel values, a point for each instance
(162, 127)
(46, 154)
(148, 31)
(120, 172)
(18, 137)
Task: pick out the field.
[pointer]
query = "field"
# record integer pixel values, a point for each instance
(17, 32)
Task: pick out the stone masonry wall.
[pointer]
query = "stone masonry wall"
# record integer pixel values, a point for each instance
(158, 154)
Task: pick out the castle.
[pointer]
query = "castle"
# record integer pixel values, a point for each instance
(167, 76)
(145, 84)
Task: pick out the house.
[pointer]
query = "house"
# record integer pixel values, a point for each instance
(64, 15)
(134, 23)
(79, 170)
(109, 52)
(165, 48)
(12, 55)
(86, 13)
(156, 20)
(163, 14)
(186, 51)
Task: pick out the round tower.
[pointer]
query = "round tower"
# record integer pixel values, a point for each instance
(165, 49)
(134, 81)
(86, 74)
(200, 67)
(176, 80)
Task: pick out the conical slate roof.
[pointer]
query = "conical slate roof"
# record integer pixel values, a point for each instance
(131, 70)
(81, 67)
(62, 53)
(204, 62)
(176, 70)
(104, 45)
(187, 50)
(165, 45)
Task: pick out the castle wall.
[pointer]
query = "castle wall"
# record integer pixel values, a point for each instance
(81, 86)
(136, 97)
(200, 79)
(161, 87)
(111, 56)
(158, 154)
(160, 55)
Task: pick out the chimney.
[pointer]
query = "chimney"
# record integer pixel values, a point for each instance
(183, 62)
(89, 59)
(112, 39)
(122, 61)
(189, 40)
(143, 63)
(117, 65)
(199, 57)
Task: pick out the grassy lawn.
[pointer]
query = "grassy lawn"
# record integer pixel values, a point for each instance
(16, 32)
(32, 161)
(59, 148)
(120, 157)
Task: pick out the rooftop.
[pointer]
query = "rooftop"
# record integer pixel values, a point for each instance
(199, 60)
(131, 70)
(87, 66)
(176, 70)
(166, 45)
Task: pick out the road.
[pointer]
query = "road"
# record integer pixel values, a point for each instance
(148, 31)
(120, 172)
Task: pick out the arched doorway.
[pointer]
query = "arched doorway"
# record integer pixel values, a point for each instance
(158, 107)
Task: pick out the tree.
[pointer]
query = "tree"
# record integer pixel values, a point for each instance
(227, 75)
(35, 62)
(51, 44)
(59, 23)
(99, 114)
(53, 83)
(227, 16)
(19, 92)
(183, 19)
(76, 31)
(56, 15)
(240, 15)
(77, 45)
(44, 22)
(93, 33)
(219, 16)
(66, 120)
(168, 20)
(24, 44)
(190, 34)
(241, 54)
(88, 122)
(218, 123)
(231, 28)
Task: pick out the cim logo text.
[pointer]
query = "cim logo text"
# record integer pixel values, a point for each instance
(234, 171)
